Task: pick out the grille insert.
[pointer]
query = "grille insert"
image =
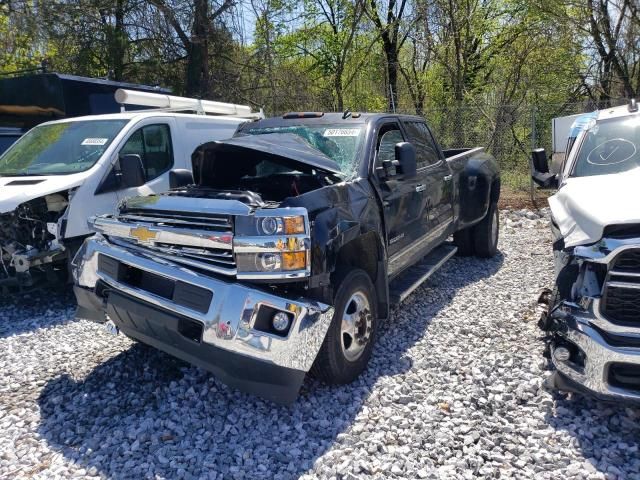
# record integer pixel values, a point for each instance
(621, 293)
(201, 221)
(628, 261)
(625, 375)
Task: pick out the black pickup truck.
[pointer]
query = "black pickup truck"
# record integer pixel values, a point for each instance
(288, 245)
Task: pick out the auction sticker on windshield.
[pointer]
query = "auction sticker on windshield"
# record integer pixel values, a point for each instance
(94, 141)
(341, 132)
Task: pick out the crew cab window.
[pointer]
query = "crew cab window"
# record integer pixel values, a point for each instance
(387, 138)
(153, 144)
(426, 150)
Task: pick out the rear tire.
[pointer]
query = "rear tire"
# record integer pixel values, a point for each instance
(348, 344)
(485, 234)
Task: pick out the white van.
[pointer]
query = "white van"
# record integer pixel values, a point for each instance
(61, 173)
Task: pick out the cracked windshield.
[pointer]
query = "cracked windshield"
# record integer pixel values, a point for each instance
(60, 148)
(337, 142)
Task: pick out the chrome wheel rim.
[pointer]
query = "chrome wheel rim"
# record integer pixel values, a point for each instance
(494, 228)
(356, 326)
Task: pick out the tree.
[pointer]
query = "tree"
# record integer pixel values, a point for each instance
(387, 23)
(197, 44)
(329, 40)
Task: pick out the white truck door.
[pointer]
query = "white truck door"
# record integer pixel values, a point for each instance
(155, 140)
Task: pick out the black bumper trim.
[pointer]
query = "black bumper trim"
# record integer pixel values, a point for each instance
(90, 305)
(161, 329)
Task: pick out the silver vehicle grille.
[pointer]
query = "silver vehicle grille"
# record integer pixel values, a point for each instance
(217, 223)
(621, 293)
(205, 230)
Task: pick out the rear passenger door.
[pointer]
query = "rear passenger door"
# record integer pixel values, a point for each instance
(436, 176)
(153, 142)
(403, 199)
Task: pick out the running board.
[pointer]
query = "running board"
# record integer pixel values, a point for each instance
(404, 285)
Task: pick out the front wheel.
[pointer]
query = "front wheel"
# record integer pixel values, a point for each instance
(347, 346)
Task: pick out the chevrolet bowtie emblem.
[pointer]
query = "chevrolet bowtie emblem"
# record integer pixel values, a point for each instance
(143, 234)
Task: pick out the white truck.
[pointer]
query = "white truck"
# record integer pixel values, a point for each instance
(593, 313)
(63, 172)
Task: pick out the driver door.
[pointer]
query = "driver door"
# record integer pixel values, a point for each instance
(153, 142)
(403, 199)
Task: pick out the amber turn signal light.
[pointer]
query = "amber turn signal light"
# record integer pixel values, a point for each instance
(294, 260)
(293, 225)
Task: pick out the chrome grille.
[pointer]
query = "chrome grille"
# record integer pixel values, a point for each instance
(212, 222)
(196, 226)
(621, 292)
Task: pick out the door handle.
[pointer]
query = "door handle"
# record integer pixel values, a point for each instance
(421, 188)
(447, 178)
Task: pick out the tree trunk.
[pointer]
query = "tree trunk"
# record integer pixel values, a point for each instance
(197, 81)
(391, 53)
(120, 42)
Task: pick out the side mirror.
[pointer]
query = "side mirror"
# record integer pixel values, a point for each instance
(131, 171)
(388, 168)
(540, 170)
(180, 177)
(406, 156)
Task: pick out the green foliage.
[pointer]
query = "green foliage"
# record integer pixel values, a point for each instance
(488, 72)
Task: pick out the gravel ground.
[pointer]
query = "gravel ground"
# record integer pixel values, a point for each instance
(453, 391)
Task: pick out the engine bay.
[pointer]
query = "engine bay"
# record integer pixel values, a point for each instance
(29, 231)
(257, 179)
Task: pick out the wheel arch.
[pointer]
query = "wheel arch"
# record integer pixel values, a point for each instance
(367, 253)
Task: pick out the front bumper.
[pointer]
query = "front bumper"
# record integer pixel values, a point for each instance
(226, 341)
(599, 349)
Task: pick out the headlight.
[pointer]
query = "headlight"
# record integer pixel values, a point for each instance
(268, 262)
(271, 262)
(269, 226)
(272, 244)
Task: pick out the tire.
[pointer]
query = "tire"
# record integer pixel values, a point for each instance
(462, 239)
(341, 360)
(485, 234)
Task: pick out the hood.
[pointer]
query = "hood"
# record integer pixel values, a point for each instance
(17, 190)
(584, 206)
(285, 145)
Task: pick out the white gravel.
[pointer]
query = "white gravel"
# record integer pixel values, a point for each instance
(453, 391)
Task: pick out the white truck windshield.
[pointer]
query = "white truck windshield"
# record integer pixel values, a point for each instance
(610, 146)
(60, 148)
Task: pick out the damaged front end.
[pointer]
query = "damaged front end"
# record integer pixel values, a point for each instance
(29, 245)
(594, 331)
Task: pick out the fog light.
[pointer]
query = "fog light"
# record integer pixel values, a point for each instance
(280, 322)
(561, 354)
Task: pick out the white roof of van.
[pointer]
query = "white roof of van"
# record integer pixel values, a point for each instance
(150, 114)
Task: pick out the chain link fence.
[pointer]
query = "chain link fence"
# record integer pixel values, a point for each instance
(509, 132)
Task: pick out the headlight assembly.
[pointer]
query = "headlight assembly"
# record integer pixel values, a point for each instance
(270, 226)
(272, 244)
